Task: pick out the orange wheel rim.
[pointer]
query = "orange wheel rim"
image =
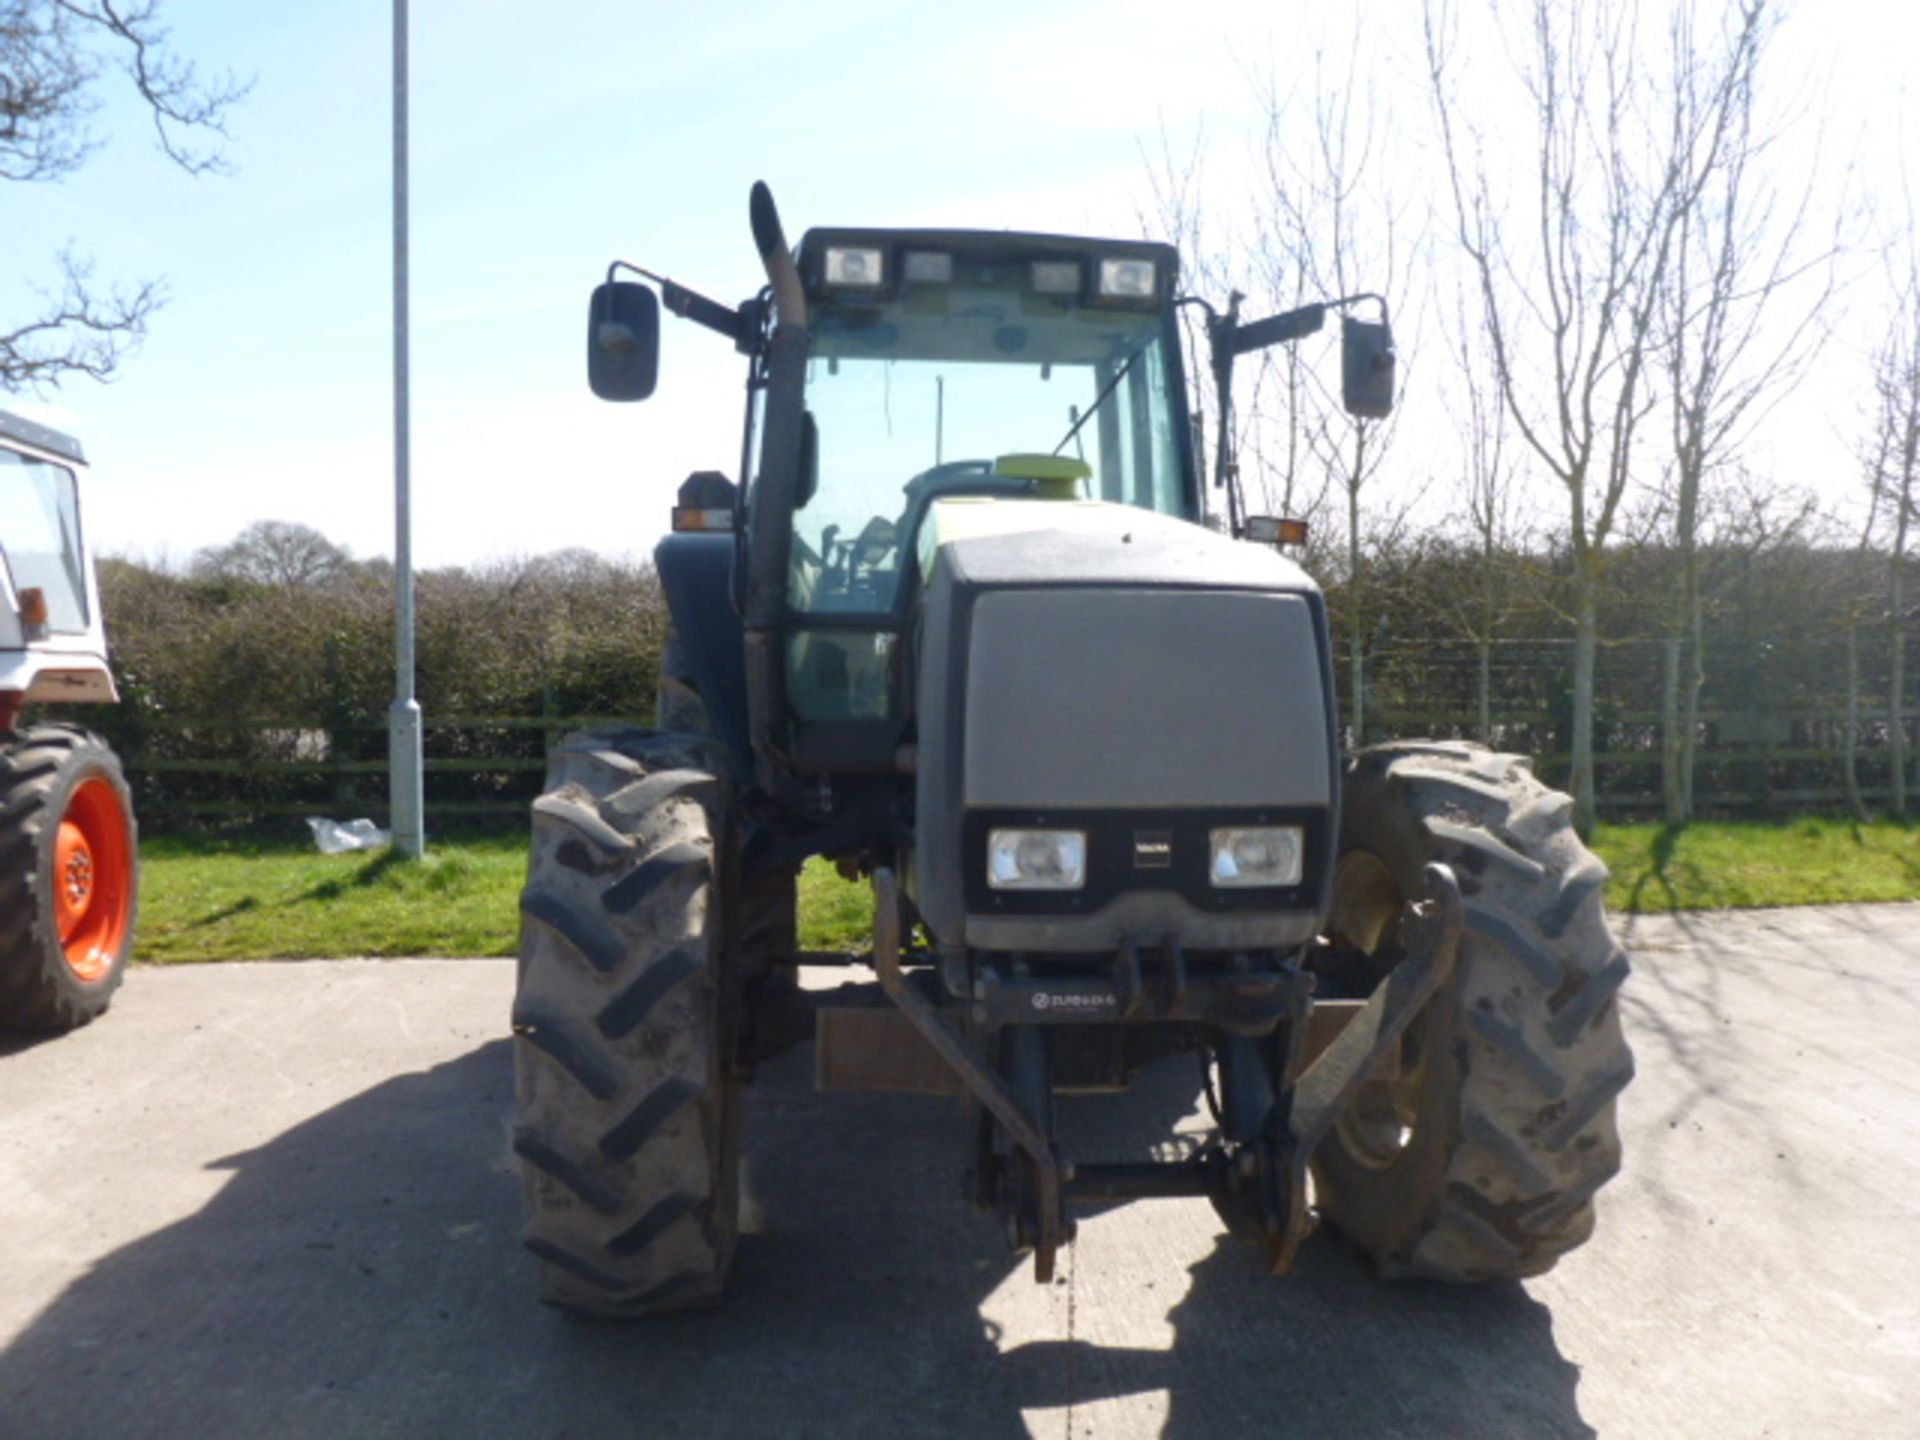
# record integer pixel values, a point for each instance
(93, 879)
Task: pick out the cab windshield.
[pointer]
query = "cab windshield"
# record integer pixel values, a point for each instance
(40, 537)
(922, 396)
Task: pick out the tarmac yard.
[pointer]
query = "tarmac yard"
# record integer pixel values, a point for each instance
(274, 1200)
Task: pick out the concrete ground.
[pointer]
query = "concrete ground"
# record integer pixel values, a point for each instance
(272, 1200)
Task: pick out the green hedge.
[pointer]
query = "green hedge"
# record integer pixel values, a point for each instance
(285, 687)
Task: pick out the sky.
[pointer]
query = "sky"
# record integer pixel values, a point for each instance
(548, 140)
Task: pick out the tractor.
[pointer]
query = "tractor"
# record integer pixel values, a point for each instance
(978, 630)
(69, 872)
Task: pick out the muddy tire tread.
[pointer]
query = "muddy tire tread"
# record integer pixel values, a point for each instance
(1536, 1032)
(627, 1129)
(677, 703)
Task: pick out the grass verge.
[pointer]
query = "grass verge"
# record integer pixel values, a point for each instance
(253, 900)
(227, 900)
(1737, 866)
(224, 900)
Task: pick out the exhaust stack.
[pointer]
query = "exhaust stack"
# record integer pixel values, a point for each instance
(789, 300)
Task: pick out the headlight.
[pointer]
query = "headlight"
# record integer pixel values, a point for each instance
(852, 267)
(1056, 277)
(929, 267)
(1127, 279)
(1036, 859)
(1256, 855)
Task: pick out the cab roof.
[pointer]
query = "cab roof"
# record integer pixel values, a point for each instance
(22, 431)
(986, 246)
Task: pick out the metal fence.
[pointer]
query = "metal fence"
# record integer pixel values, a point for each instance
(1772, 724)
(1770, 754)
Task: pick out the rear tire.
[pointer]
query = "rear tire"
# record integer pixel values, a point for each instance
(1480, 1160)
(677, 705)
(628, 1127)
(69, 877)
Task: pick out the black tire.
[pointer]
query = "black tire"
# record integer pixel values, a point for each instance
(766, 898)
(628, 1126)
(50, 774)
(1480, 1160)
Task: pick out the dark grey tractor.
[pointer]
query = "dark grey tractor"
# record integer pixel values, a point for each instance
(974, 630)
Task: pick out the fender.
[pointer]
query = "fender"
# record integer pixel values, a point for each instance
(696, 572)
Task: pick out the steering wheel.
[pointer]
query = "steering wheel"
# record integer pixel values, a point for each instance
(955, 477)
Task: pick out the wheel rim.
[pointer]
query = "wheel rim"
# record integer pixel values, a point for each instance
(93, 880)
(1377, 1127)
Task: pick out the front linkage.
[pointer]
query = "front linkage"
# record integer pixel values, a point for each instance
(1279, 1098)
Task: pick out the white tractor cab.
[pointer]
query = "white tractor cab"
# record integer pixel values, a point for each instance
(69, 872)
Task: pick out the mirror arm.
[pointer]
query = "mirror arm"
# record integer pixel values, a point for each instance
(1228, 338)
(1296, 324)
(1289, 325)
(1222, 332)
(692, 305)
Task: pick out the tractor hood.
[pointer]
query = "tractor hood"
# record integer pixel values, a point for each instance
(1131, 677)
(1014, 541)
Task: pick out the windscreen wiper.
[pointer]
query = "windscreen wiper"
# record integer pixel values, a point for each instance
(1100, 399)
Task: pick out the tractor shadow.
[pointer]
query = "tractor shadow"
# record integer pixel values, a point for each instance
(18, 1042)
(360, 1275)
(1328, 1351)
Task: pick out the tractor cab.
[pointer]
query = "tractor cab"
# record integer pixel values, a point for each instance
(69, 877)
(963, 372)
(980, 365)
(52, 642)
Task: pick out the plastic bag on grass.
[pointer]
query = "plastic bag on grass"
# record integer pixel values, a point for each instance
(334, 838)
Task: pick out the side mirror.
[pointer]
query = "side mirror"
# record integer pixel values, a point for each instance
(623, 341)
(1366, 367)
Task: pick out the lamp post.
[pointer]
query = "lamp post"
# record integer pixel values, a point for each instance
(407, 799)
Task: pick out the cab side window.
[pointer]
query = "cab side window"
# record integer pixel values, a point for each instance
(40, 536)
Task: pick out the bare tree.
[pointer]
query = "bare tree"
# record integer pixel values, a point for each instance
(1863, 598)
(280, 553)
(1741, 318)
(1893, 479)
(1569, 283)
(1178, 216)
(1270, 447)
(1488, 488)
(1333, 229)
(52, 57)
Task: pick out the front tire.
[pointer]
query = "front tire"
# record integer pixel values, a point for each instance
(1480, 1159)
(69, 877)
(628, 1127)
